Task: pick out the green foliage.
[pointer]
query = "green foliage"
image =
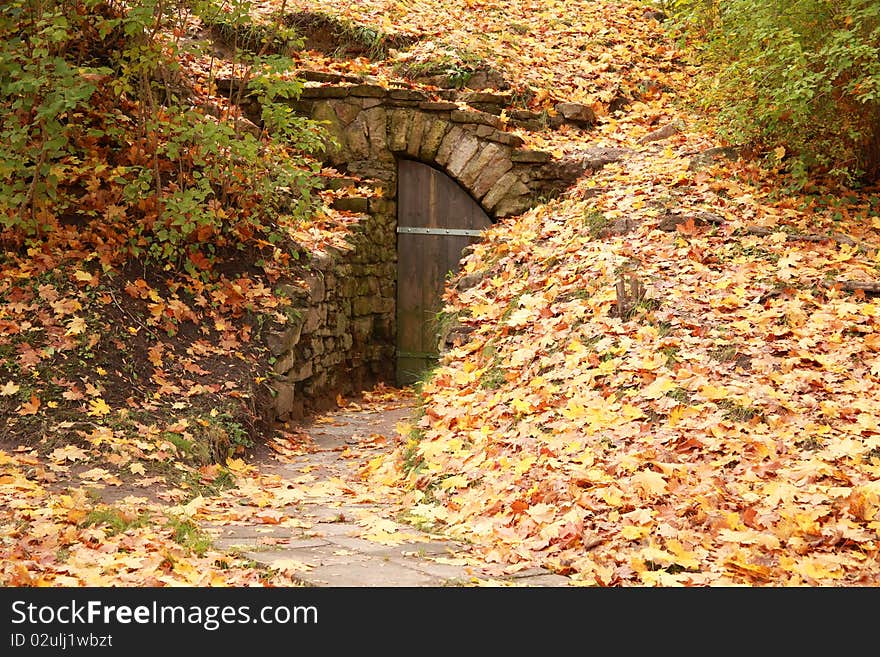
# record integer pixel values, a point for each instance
(114, 520)
(800, 74)
(42, 88)
(455, 65)
(188, 534)
(92, 96)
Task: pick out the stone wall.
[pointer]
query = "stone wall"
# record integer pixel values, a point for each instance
(339, 338)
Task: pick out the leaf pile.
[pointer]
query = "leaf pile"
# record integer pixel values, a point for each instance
(666, 376)
(590, 52)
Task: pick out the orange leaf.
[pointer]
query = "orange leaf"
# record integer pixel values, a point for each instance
(30, 408)
(688, 227)
(519, 506)
(199, 260)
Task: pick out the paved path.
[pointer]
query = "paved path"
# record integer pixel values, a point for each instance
(330, 546)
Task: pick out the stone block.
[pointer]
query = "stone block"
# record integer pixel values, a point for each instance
(285, 400)
(513, 204)
(346, 112)
(486, 98)
(367, 91)
(284, 364)
(438, 106)
(351, 204)
(431, 137)
(376, 120)
(491, 134)
(383, 305)
(362, 327)
(489, 175)
(475, 117)
(500, 189)
(301, 373)
(415, 133)
(279, 342)
(324, 113)
(324, 76)
(315, 317)
(448, 144)
(407, 94)
(362, 306)
(489, 155)
(356, 143)
(324, 92)
(400, 103)
(531, 157)
(381, 208)
(317, 288)
(577, 113)
(466, 149)
(398, 129)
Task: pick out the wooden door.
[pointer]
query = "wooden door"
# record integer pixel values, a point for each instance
(436, 219)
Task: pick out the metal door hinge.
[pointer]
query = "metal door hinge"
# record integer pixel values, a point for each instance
(412, 230)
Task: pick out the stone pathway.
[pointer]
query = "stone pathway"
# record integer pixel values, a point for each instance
(330, 550)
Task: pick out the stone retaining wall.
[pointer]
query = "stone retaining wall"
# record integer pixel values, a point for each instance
(340, 335)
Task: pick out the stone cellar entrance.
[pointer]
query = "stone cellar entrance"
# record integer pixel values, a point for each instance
(424, 176)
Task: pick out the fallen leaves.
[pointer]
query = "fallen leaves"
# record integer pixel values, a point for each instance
(724, 431)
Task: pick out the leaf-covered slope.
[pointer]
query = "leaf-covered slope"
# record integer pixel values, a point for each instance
(724, 430)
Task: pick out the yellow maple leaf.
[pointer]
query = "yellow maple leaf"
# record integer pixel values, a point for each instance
(714, 393)
(520, 317)
(634, 532)
(612, 496)
(68, 453)
(658, 388)
(649, 482)
(291, 565)
(455, 481)
(98, 407)
(683, 557)
(10, 388)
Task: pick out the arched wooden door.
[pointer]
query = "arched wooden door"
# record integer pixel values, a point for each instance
(436, 219)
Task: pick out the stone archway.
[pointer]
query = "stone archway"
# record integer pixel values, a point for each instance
(344, 329)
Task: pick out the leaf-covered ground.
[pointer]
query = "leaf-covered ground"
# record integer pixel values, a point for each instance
(667, 380)
(716, 425)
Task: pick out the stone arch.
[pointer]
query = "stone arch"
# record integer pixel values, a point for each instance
(371, 126)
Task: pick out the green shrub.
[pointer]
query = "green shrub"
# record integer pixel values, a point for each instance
(803, 75)
(99, 122)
